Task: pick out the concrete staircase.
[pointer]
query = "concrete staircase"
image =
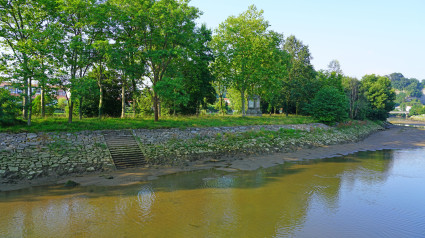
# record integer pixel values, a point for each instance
(124, 149)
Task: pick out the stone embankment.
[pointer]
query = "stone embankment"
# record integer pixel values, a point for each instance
(30, 155)
(34, 155)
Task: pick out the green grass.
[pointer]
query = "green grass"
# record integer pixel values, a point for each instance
(61, 123)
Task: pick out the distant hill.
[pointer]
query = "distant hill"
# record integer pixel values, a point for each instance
(412, 87)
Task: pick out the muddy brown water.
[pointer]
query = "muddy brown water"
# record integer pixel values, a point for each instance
(368, 194)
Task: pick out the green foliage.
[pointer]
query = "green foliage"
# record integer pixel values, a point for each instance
(330, 79)
(9, 109)
(380, 96)
(299, 85)
(49, 105)
(417, 109)
(245, 49)
(400, 98)
(172, 93)
(235, 98)
(168, 33)
(358, 104)
(411, 87)
(62, 104)
(144, 102)
(329, 105)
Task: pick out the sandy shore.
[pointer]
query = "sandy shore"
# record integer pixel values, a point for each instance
(394, 138)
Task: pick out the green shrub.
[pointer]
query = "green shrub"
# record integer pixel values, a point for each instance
(49, 105)
(329, 105)
(9, 109)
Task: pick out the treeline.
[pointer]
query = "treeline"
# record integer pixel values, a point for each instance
(150, 53)
(409, 93)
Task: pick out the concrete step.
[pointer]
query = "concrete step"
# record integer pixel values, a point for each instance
(124, 149)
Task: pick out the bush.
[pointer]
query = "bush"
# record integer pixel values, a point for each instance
(9, 109)
(329, 105)
(417, 110)
(49, 105)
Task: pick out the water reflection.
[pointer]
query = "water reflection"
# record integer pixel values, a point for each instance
(370, 194)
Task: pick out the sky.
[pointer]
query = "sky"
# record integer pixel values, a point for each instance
(365, 36)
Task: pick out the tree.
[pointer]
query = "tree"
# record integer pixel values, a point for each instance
(357, 102)
(299, 85)
(39, 109)
(329, 105)
(380, 96)
(128, 24)
(417, 109)
(192, 70)
(414, 89)
(244, 48)
(330, 78)
(398, 81)
(74, 55)
(9, 109)
(25, 31)
(273, 93)
(172, 92)
(335, 67)
(169, 28)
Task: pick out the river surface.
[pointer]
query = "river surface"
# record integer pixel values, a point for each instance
(369, 194)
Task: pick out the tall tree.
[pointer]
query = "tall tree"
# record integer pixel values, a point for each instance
(75, 55)
(380, 96)
(334, 66)
(299, 84)
(242, 45)
(169, 26)
(25, 34)
(193, 70)
(128, 24)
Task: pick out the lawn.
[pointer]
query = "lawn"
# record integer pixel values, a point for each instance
(61, 123)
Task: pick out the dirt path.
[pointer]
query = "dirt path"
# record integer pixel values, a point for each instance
(394, 138)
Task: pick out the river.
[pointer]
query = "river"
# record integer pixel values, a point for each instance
(368, 194)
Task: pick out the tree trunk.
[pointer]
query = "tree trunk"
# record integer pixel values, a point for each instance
(134, 97)
(80, 108)
(221, 104)
(25, 101)
(24, 107)
(70, 109)
(287, 107)
(43, 103)
(155, 106)
(29, 106)
(296, 108)
(100, 102)
(123, 101)
(174, 108)
(159, 107)
(243, 102)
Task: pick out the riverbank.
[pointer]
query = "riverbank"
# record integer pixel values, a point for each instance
(407, 122)
(394, 138)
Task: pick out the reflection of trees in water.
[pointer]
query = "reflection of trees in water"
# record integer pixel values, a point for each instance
(145, 199)
(269, 201)
(373, 169)
(266, 202)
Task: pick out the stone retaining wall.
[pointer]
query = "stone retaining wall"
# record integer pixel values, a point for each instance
(31, 155)
(158, 136)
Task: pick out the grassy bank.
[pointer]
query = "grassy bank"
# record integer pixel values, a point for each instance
(418, 118)
(254, 142)
(61, 124)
